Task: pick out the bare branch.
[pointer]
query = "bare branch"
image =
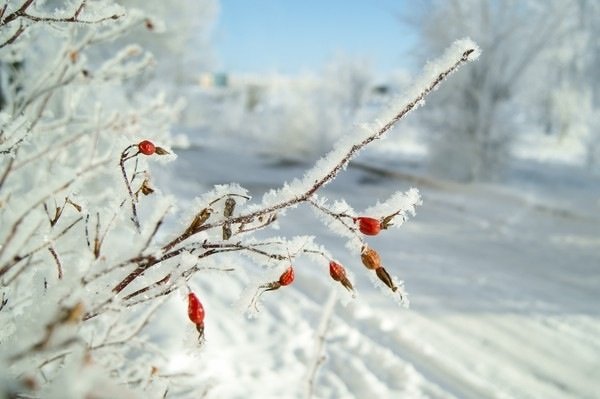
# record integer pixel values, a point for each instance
(124, 157)
(341, 164)
(79, 9)
(320, 336)
(57, 260)
(22, 13)
(3, 302)
(155, 230)
(3, 10)
(18, 258)
(14, 36)
(39, 202)
(144, 263)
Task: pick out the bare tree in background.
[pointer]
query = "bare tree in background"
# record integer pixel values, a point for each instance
(476, 118)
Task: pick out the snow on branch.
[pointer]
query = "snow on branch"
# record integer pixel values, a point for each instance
(325, 170)
(79, 242)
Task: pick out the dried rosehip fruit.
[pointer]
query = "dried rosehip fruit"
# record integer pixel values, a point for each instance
(368, 226)
(287, 277)
(370, 258)
(146, 147)
(161, 151)
(195, 309)
(338, 273)
(384, 276)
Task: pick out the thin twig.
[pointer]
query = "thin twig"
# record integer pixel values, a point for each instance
(14, 36)
(39, 202)
(87, 232)
(125, 157)
(22, 13)
(3, 10)
(6, 172)
(3, 302)
(133, 332)
(18, 258)
(320, 336)
(28, 263)
(97, 237)
(79, 9)
(100, 239)
(57, 260)
(155, 230)
(337, 216)
(160, 282)
(14, 15)
(146, 262)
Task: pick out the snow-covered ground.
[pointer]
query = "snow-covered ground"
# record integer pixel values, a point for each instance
(503, 282)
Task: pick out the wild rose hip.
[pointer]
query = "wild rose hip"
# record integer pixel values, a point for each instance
(370, 258)
(287, 277)
(146, 147)
(195, 309)
(338, 273)
(368, 226)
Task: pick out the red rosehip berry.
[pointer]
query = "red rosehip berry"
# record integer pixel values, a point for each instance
(195, 309)
(338, 273)
(146, 147)
(287, 277)
(368, 226)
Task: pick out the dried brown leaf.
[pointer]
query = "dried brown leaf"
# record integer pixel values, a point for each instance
(384, 276)
(198, 221)
(161, 151)
(229, 207)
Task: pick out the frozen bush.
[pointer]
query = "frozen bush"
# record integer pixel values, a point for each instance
(85, 262)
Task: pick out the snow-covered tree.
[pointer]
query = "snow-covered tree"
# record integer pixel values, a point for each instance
(476, 117)
(85, 260)
(570, 107)
(179, 34)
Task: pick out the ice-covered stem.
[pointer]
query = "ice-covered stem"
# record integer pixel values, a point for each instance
(124, 157)
(462, 52)
(199, 223)
(468, 53)
(133, 197)
(22, 13)
(133, 332)
(320, 335)
(146, 262)
(59, 267)
(65, 316)
(3, 302)
(19, 221)
(339, 216)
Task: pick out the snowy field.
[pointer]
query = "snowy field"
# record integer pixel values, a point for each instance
(503, 283)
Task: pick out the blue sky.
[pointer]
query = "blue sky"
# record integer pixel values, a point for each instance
(294, 36)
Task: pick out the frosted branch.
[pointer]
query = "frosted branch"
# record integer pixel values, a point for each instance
(320, 336)
(467, 51)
